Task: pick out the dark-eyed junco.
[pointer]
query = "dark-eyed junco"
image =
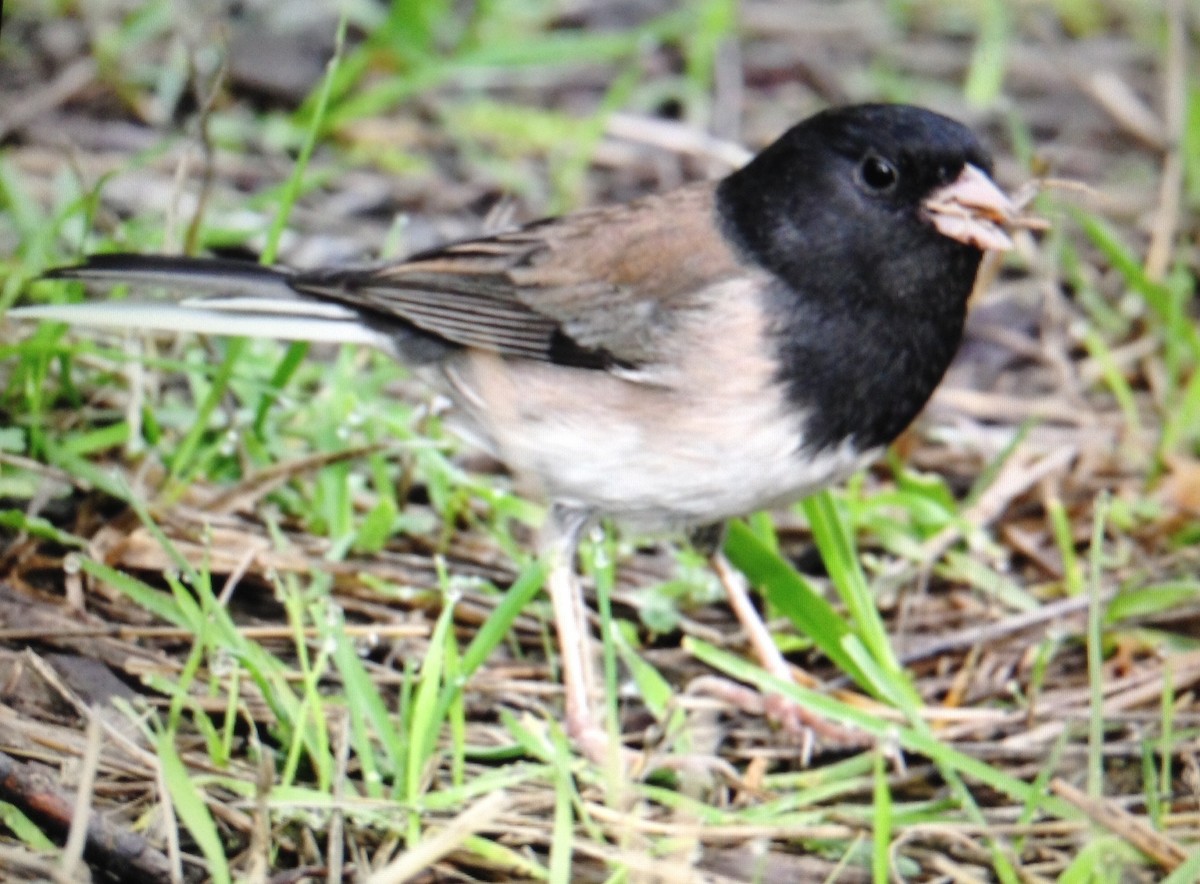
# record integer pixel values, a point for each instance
(671, 362)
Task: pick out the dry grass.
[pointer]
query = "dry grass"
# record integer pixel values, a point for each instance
(234, 639)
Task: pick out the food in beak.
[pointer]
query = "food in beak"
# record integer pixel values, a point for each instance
(974, 211)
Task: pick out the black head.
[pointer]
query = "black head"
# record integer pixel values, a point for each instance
(870, 297)
(847, 185)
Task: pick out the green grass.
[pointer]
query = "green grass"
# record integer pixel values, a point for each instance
(382, 742)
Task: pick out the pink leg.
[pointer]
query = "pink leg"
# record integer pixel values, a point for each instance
(564, 528)
(793, 718)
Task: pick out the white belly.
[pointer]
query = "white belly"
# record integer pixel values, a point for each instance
(709, 439)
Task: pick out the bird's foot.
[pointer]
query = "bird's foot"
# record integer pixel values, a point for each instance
(592, 740)
(802, 726)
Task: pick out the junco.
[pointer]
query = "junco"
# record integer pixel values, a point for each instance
(671, 362)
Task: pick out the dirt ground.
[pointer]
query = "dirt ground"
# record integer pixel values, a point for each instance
(1048, 613)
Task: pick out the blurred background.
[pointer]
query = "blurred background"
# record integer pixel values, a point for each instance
(274, 573)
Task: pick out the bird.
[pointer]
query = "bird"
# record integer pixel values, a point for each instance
(668, 363)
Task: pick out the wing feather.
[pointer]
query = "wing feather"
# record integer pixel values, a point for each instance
(593, 288)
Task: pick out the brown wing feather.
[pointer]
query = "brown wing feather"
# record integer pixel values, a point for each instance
(611, 282)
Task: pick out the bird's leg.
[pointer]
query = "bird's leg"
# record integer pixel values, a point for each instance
(563, 529)
(793, 718)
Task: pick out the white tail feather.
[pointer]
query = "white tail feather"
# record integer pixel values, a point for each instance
(271, 306)
(286, 320)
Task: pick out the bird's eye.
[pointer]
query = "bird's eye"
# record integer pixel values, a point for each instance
(877, 174)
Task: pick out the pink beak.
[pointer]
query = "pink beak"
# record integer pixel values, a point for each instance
(973, 210)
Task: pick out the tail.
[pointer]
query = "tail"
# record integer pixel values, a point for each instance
(231, 298)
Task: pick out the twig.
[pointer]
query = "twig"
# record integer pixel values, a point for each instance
(72, 856)
(1166, 218)
(478, 816)
(1161, 848)
(123, 854)
(975, 635)
(175, 633)
(72, 79)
